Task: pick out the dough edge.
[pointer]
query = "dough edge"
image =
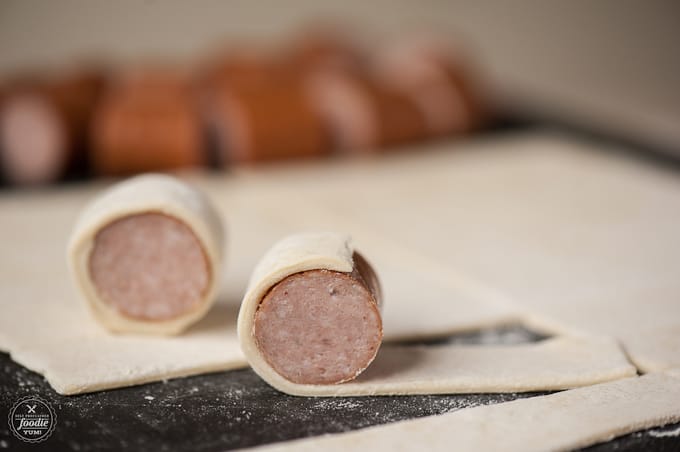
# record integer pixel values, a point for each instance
(479, 427)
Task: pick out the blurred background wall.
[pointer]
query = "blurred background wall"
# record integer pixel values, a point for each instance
(611, 64)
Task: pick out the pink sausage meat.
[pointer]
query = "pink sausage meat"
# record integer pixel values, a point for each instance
(149, 266)
(321, 326)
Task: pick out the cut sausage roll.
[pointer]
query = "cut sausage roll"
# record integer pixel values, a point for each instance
(311, 315)
(147, 254)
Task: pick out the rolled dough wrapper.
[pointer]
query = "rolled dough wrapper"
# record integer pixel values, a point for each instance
(273, 120)
(44, 126)
(147, 254)
(363, 114)
(148, 121)
(440, 81)
(311, 314)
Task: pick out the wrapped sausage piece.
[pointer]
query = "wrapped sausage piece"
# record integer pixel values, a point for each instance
(311, 315)
(146, 255)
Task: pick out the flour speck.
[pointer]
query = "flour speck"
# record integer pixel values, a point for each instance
(664, 434)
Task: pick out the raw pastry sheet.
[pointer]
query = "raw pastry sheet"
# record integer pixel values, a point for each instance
(530, 228)
(563, 421)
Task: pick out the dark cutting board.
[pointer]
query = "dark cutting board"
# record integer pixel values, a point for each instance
(228, 410)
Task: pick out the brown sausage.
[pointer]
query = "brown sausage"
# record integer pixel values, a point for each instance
(148, 121)
(440, 82)
(149, 266)
(44, 125)
(271, 119)
(363, 114)
(321, 326)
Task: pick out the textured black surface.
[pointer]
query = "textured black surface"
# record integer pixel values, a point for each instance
(228, 410)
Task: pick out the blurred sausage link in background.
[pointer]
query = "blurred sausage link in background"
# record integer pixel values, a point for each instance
(319, 95)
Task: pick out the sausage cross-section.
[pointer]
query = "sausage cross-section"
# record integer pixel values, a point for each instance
(311, 315)
(146, 255)
(44, 125)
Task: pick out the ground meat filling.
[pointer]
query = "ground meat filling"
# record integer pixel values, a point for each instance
(319, 327)
(149, 266)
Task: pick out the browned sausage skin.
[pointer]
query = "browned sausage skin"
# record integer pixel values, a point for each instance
(273, 120)
(439, 80)
(363, 114)
(148, 121)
